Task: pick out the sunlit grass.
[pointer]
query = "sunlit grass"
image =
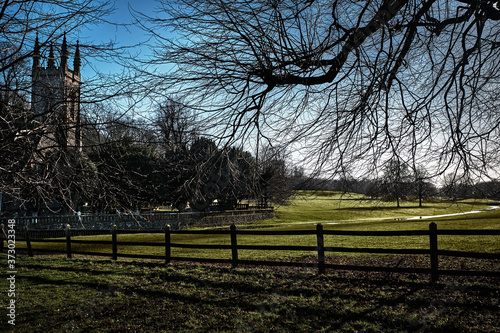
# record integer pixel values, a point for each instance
(336, 211)
(307, 207)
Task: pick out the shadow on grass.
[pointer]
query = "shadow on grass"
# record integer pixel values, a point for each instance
(125, 296)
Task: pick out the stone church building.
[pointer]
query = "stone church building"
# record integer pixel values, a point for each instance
(53, 127)
(55, 99)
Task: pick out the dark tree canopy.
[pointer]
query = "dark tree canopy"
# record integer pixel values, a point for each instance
(350, 83)
(34, 170)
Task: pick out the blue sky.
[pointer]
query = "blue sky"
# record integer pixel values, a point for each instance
(125, 35)
(122, 15)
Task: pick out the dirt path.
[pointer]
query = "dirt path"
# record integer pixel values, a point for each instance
(454, 214)
(414, 217)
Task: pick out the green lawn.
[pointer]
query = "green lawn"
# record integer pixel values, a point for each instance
(89, 295)
(336, 212)
(93, 294)
(310, 207)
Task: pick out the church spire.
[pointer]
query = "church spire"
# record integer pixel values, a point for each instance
(51, 63)
(64, 53)
(36, 53)
(77, 61)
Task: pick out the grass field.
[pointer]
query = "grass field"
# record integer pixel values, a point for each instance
(54, 294)
(89, 295)
(335, 211)
(335, 207)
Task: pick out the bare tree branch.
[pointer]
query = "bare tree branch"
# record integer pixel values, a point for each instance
(348, 83)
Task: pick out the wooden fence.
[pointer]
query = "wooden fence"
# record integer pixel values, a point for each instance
(320, 249)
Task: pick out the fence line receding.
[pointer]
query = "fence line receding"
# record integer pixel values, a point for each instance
(320, 248)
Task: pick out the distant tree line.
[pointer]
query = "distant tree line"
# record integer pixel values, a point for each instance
(398, 183)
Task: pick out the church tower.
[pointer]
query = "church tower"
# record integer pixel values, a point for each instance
(55, 99)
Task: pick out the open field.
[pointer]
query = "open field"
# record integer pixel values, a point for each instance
(336, 212)
(89, 295)
(335, 207)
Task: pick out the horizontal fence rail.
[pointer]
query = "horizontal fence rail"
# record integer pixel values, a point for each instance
(143, 221)
(65, 237)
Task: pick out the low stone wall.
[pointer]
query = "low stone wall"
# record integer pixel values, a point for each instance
(224, 220)
(177, 221)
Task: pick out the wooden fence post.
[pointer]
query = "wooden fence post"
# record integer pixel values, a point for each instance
(68, 241)
(234, 246)
(114, 240)
(321, 248)
(28, 242)
(167, 244)
(434, 252)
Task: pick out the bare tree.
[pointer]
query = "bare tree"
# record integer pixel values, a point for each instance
(21, 20)
(424, 188)
(457, 186)
(274, 178)
(395, 180)
(176, 125)
(354, 83)
(35, 168)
